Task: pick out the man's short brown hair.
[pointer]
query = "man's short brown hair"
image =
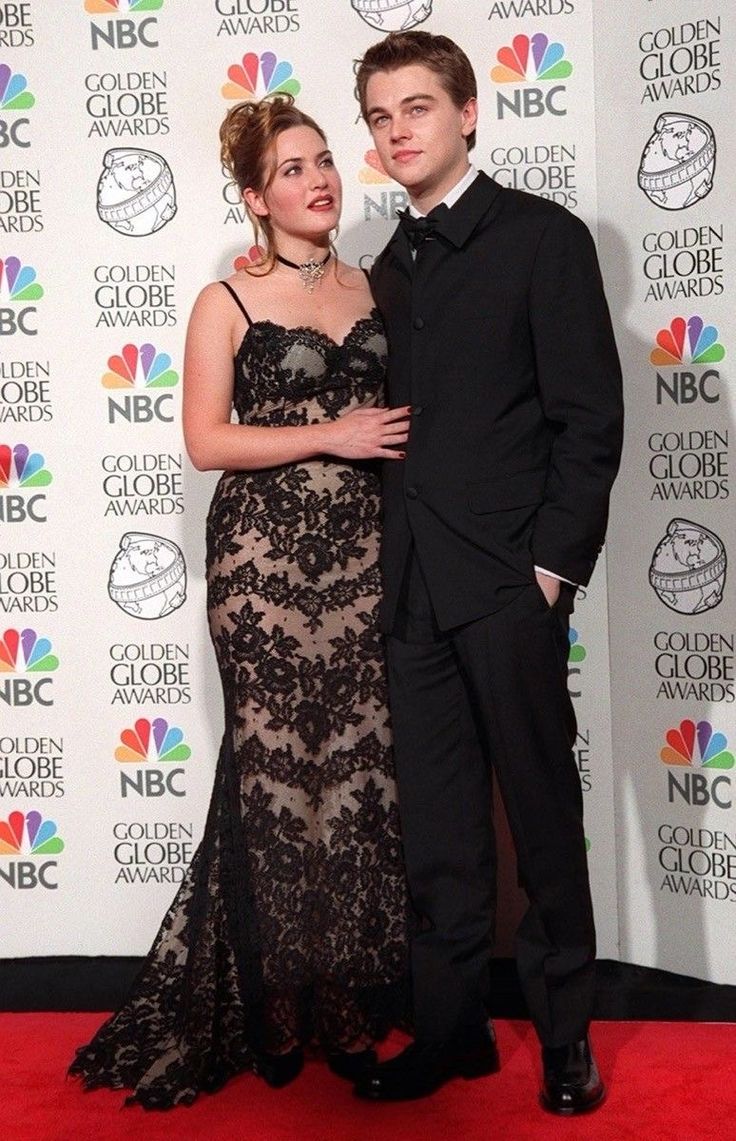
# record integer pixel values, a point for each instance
(438, 53)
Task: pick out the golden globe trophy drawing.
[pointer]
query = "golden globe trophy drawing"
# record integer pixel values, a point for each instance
(148, 577)
(678, 162)
(135, 192)
(393, 15)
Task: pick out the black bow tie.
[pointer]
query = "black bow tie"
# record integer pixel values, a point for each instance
(418, 230)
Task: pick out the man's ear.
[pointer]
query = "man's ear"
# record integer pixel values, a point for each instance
(469, 117)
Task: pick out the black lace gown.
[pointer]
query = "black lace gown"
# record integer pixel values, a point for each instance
(290, 926)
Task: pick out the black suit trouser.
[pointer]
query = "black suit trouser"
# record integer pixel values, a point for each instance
(491, 695)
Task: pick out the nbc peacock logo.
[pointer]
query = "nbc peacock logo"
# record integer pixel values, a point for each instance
(14, 93)
(698, 745)
(575, 656)
(140, 366)
(373, 173)
(20, 467)
(577, 652)
(119, 7)
(130, 23)
(28, 839)
(687, 341)
(531, 60)
(18, 287)
(22, 651)
(254, 256)
(15, 97)
(152, 741)
(259, 75)
(18, 282)
(24, 656)
(385, 198)
(28, 833)
(141, 377)
(697, 757)
(21, 473)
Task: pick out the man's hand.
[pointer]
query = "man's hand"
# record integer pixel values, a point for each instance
(549, 586)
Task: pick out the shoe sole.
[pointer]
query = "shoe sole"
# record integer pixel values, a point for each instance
(349, 1075)
(561, 1112)
(278, 1080)
(469, 1072)
(480, 1069)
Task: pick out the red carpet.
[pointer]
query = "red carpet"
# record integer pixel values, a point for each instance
(667, 1082)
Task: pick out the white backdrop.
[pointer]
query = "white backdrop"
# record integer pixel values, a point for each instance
(114, 211)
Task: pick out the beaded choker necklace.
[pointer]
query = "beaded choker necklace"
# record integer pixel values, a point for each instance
(310, 271)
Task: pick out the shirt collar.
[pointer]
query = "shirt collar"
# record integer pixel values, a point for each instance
(454, 193)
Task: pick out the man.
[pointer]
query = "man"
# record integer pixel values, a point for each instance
(500, 339)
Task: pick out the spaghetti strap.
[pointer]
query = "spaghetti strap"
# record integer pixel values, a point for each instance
(237, 301)
(367, 274)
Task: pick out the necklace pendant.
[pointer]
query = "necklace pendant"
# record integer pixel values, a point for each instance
(310, 272)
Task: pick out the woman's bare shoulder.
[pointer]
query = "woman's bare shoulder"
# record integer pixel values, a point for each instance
(351, 275)
(246, 287)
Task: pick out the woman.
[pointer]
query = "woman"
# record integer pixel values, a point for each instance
(290, 926)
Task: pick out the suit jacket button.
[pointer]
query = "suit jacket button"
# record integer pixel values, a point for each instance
(418, 322)
(412, 493)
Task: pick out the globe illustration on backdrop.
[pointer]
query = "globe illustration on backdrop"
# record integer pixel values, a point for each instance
(688, 570)
(678, 162)
(393, 15)
(148, 576)
(135, 193)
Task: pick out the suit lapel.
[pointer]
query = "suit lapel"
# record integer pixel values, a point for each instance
(461, 220)
(457, 225)
(399, 250)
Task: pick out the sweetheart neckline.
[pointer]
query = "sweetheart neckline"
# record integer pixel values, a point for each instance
(309, 329)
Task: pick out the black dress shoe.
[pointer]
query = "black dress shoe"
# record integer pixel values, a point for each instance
(352, 1066)
(423, 1067)
(571, 1080)
(278, 1070)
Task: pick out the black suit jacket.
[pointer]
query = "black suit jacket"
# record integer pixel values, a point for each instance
(499, 336)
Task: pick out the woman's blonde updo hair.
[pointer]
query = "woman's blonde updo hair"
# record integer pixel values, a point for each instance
(247, 148)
